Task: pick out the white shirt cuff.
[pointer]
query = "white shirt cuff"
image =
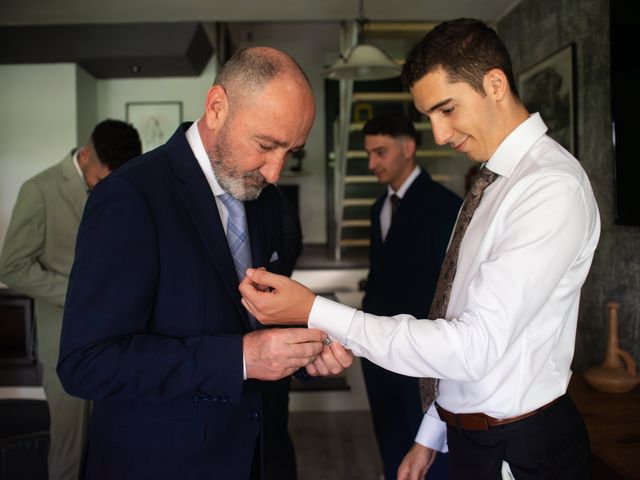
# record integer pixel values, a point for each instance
(433, 431)
(244, 368)
(331, 317)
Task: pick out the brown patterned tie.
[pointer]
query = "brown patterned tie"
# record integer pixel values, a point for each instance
(429, 386)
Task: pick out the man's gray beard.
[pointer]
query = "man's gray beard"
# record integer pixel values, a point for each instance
(243, 187)
(234, 186)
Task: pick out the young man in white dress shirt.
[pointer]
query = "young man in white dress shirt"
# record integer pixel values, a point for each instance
(503, 350)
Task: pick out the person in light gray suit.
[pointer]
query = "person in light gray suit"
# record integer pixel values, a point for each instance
(36, 260)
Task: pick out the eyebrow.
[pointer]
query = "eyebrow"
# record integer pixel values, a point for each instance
(279, 143)
(439, 105)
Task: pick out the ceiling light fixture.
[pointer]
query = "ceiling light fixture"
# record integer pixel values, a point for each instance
(363, 61)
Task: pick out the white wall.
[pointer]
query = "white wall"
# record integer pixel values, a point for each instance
(86, 110)
(38, 125)
(113, 94)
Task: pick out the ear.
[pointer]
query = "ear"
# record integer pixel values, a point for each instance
(216, 108)
(83, 156)
(496, 84)
(409, 147)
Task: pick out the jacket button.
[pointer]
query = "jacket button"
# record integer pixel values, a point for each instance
(253, 415)
(224, 397)
(214, 397)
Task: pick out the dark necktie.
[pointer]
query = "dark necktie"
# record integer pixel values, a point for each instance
(429, 386)
(395, 203)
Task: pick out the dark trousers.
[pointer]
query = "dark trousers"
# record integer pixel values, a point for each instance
(396, 415)
(552, 445)
(278, 454)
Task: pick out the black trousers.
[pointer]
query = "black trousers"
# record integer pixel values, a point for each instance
(552, 445)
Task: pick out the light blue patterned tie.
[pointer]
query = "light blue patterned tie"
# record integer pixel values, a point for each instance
(238, 239)
(237, 234)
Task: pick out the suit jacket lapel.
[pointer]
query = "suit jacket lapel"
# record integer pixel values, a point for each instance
(201, 204)
(405, 212)
(376, 232)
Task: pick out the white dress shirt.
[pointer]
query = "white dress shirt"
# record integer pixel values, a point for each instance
(385, 211)
(507, 347)
(74, 158)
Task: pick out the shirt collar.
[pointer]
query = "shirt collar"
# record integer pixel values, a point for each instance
(516, 145)
(405, 185)
(197, 147)
(76, 164)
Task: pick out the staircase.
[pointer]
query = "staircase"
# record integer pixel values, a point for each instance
(355, 188)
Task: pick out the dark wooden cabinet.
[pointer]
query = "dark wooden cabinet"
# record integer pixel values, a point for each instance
(613, 422)
(17, 328)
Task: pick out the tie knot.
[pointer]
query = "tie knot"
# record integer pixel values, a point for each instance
(234, 206)
(483, 180)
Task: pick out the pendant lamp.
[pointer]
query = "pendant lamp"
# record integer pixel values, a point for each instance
(363, 61)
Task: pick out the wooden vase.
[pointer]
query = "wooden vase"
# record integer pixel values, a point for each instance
(617, 374)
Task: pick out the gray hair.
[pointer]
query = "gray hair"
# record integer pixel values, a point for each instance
(249, 70)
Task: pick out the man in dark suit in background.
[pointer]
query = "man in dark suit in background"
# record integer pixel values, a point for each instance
(154, 331)
(410, 228)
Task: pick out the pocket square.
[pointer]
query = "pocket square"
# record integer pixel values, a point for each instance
(274, 257)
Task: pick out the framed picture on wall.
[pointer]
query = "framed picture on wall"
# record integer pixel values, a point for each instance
(155, 121)
(548, 87)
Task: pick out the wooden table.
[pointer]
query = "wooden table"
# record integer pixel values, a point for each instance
(613, 421)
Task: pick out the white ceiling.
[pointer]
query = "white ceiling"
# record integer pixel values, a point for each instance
(31, 12)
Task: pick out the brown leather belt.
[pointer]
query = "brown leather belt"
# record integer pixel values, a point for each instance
(482, 421)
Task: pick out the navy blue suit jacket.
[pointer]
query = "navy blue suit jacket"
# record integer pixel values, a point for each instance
(404, 269)
(153, 323)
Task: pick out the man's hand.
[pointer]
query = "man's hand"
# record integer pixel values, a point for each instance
(416, 462)
(333, 360)
(276, 299)
(274, 353)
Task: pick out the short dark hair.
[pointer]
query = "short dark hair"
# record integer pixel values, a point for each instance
(393, 124)
(465, 48)
(115, 142)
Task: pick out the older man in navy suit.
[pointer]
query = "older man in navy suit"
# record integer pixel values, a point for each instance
(154, 330)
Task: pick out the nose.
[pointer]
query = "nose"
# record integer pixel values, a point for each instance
(372, 162)
(273, 166)
(442, 133)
